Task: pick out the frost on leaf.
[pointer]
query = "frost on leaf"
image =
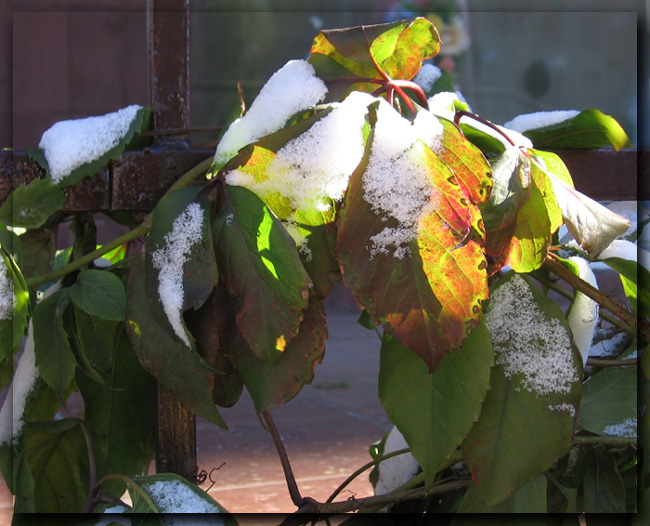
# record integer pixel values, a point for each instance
(313, 168)
(174, 496)
(71, 144)
(169, 260)
(396, 182)
(626, 429)
(528, 343)
(290, 90)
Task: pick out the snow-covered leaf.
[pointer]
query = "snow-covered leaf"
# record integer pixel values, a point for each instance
(587, 129)
(527, 419)
(180, 263)
(14, 305)
(31, 204)
(78, 148)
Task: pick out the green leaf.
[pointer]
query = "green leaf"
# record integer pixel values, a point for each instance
(18, 478)
(100, 294)
(604, 491)
(10, 242)
(398, 48)
(123, 432)
(527, 419)
(609, 398)
(173, 494)
(31, 204)
(516, 216)
(271, 385)
(178, 368)
(530, 498)
(428, 294)
(15, 310)
(139, 123)
(96, 338)
(58, 459)
(54, 358)
(39, 250)
(434, 412)
(261, 268)
(181, 269)
(589, 129)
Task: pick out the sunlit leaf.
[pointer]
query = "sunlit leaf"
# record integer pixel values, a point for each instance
(30, 205)
(58, 459)
(428, 298)
(517, 214)
(261, 268)
(589, 129)
(178, 368)
(593, 225)
(527, 419)
(398, 48)
(435, 411)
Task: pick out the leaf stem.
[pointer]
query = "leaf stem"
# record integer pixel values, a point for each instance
(602, 362)
(294, 492)
(140, 230)
(463, 113)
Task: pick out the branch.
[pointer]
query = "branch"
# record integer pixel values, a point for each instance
(294, 492)
(554, 265)
(601, 362)
(605, 441)
(462, 113)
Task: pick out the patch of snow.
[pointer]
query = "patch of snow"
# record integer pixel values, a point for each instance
(442, 104)
(396, 182)
(427, 76)
(173, 496)
(67, 145)
(626, 429)
(620, 248)
(169, 260)
(7, 295)
(292, 89)
(584, 315)
(13, 409)
(315, 167)
(398, 470)
(564, 408)
(541, 119)
(527, 343)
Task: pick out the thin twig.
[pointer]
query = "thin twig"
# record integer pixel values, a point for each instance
(92, 467)
(294, 492)
(554, 265)
(605, 441)
(462, 113)
(602, 362)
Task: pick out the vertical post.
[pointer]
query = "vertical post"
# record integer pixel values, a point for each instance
(169, 95)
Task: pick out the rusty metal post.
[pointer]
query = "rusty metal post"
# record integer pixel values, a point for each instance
(169, 93)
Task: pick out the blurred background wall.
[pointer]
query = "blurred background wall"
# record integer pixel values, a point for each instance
(73, 58)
